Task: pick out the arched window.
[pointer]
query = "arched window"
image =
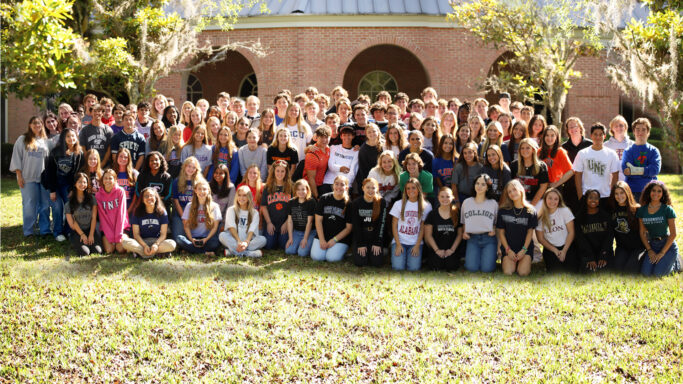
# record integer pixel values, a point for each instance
(194, 89)
(376, 81)
(249, 86)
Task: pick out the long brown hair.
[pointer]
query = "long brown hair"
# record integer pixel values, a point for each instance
(545, 150)
(376, 200)
(286, 182)
(455, 212)
(217, 146)
(129, 167)
(631, 204)
(140, 207)
(30, 137)
(420, 198)
(194, 209)
(461, 160)
(86, 168)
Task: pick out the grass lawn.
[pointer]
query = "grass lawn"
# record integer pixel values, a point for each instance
(197, 319)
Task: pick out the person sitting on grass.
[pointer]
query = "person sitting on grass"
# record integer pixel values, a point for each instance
(333, 223)
(111, 209)
(200, 222)
(516, 223)
(594, 233)
(555, 231)
(300, 215)
(150, 227)
(240, 236)
(657, 220)
(81, 215)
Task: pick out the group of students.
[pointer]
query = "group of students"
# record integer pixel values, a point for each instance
(422, 181)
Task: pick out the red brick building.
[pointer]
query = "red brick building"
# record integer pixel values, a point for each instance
(403, 44)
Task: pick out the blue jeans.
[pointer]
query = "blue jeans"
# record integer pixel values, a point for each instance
(58, 227)
(35, 202)
(294, 249)
(276, 240)
(334, 254)
(210, 246)
(667, 264)
(405, 260)
(177, 226)
(481, 253)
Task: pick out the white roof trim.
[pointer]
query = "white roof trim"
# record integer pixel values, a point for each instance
(365, 21)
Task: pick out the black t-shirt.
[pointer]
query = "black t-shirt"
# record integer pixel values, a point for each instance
(627, 236)
(366, 231)
(290, 155)
(161, 182)
(443, 230)
(499, 179)
(516, 222)
(530, 182)
(335, 215)
(276, 202)
(300, 213)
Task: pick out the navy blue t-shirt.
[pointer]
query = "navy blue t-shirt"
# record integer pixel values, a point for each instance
(150, 224)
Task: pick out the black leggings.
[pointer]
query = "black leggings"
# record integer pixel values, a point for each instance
(84, 249)
(627, 260)
(369, 258)
(553, 264)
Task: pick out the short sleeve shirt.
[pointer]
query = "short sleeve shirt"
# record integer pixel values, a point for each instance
(150, 224)
(657, 224)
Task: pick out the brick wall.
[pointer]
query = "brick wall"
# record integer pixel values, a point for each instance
(454, 63)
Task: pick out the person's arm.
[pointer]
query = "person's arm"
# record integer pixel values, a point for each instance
(136, 235)
(356, 221)
(615, 178)
(394, 232)
(382, 219)
(669, 240)
(502, 241)
(642, 231)
(17, 162)
(567, 175)
(319, 230)
(578, 181)
(456, 243)
(539, 194)
(428, 187)
(76, 228)
(266, 217)
(540, 235)
(527, 242)
(93, 224)
(654, 164)
(178, 208)
(141, 160)
(429, 239)
(345, 232)
(310, 174)
(415, 251)
(290, 229)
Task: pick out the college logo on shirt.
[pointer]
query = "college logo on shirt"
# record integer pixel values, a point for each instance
(110, 205)
(149, 222)
(642, 158)
(597, 167)
(622, 226)
(333, 212)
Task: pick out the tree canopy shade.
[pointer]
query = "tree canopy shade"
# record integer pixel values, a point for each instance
(544, 41)
(136, 43)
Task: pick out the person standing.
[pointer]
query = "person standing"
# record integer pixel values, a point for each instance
(596, 167)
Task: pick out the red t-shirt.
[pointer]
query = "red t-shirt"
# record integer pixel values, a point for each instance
(316, 160)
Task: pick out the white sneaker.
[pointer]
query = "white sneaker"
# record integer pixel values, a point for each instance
(226, 253)
(60, 238)
(253, 253)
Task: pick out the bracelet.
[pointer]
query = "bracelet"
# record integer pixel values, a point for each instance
(335, 239)
(524, 248)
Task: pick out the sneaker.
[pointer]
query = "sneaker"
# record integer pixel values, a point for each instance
(226, 253)
(60, 238)
(253, 253)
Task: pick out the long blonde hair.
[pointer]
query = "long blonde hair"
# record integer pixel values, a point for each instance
(395, 169)
(181, 118)
(167, 146)
(250, 205)
(182, 178)
(544, 212)
(259, 183)
(402, 142)
(301, 125)
(507, 203)
(420, 198)
(194, 209)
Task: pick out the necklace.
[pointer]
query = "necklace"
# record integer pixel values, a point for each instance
(514, 210)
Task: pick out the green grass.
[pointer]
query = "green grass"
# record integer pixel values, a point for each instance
(277, 319)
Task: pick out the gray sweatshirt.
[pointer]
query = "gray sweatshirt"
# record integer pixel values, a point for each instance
(248, 157)
(30, 163)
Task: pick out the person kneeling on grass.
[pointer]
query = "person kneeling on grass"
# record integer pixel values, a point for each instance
(333, 223)
(555, 231)
(516, 223)
(368, 214)
(111, 209)
(150, 226)
(300, 214)
(409, 214)
(240, 236)
(443, 233)
(81, 215)
(657, 220)
(200, 222)
(478, 216)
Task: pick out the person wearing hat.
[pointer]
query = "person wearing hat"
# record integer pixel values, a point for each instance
(343, 160)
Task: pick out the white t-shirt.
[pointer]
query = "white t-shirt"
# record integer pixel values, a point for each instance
(597, 168)
(478, 217)
(619, 147)
(341, 157)
(557, 233)
(242, 228)
(201, 230)
(299, 139)
(409, 227)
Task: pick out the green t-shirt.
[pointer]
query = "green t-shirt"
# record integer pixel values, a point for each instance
(657, 224)
(426, 182)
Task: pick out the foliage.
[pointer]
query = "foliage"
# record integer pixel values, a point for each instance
(192, 319)
(37, 49)
(545, 42)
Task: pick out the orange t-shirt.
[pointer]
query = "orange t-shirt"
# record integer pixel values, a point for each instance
(317, 159)
(558, 165)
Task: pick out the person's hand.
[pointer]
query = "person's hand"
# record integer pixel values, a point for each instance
(652, 255)
(304, 242)
(466, 236)
(84, 238)
(289, 242)
(492, 233)
(449, 251)
(283, 229)
(344, 170)
(242, 246)
(362, 251)
(415, 251)
(376, 250)
(658, 257)
(154, 248)
(202, 241)
(356, 148)
(519, 255)
(510, 253)
(398, 250)
(270, 228)
(627, 171)
(147, 249)
(20, 181)
(602, 263)
(53, 196)
(323, 245)
(592, 265)
(561, 255)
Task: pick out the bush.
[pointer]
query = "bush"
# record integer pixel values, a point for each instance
(7, 149)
